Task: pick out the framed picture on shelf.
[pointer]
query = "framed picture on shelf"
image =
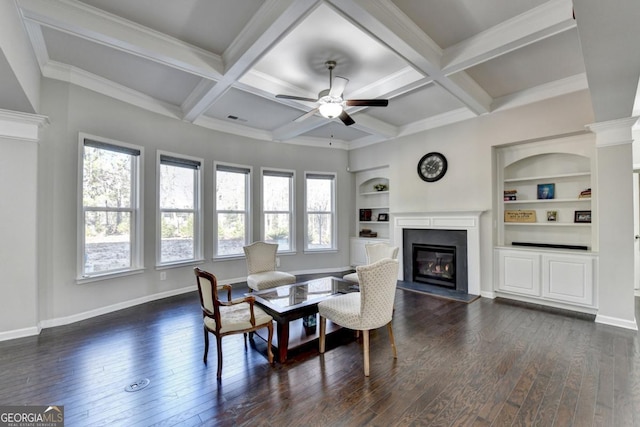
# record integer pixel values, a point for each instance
(552, 216)
(383, 217)
(546, 191)
(582, 216)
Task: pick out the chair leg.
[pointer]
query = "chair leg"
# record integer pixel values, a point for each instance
(269, 340)
(365, 345)
(245, 341)
(393, 341)
(206, 344)
(323, 330)
(219, 342)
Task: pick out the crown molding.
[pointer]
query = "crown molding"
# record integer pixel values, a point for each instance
(21, 126)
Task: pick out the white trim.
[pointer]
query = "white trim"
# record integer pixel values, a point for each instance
(618, 322)
(21, 126)
(454, 220)
(613, 132)
(20, 333)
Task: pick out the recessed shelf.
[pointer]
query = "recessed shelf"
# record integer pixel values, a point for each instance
(576, 200)
(374, 193)
(548, 177)
(548, 224)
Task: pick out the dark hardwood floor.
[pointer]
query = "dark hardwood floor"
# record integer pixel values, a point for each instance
(485, 363)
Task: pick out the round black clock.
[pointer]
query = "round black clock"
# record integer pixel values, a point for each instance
(432, 167)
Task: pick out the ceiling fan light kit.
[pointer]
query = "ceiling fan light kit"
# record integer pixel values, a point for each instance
(331, 110)
(331, 103)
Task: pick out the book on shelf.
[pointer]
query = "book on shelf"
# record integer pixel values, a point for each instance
(510, 195)
(585, 194)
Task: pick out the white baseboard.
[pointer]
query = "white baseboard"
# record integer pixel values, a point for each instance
(60, 321)
(488, 294)
(19, 333)
(615, 321)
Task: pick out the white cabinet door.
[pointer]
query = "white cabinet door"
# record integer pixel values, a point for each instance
(357, 252)
(568, 278)
(519, 272)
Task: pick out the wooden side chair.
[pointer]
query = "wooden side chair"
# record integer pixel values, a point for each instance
(223, 318)
(375, 252)
(261, 267)
(371, 308)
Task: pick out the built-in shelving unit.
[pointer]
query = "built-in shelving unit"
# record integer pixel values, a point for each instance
(558, 262)
(376, 202)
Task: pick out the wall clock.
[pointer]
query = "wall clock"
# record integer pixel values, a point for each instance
(432, 167)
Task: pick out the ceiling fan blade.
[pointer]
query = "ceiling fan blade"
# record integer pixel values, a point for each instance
(337, 86)
(297, 98)
(367, 102)
(346, 119)
(306, 115)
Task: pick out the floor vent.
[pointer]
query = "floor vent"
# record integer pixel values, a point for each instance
(138, 385)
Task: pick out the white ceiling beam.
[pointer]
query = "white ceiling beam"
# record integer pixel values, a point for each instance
(536, 24)
(91, 24)
(273, 21)
(540, 93)
(384, 21)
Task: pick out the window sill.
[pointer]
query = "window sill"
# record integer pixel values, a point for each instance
(320, 251)
(179, 264)
(107, 276)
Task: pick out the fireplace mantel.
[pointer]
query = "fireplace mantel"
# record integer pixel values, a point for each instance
(445, 220)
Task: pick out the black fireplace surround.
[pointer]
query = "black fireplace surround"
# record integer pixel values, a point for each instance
(436, 250)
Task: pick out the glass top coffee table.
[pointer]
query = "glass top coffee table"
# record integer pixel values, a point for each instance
(289, 303)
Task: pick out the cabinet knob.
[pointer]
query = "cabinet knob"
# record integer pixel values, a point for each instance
(637, 236)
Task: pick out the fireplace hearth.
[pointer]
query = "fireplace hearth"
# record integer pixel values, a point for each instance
(434, 265)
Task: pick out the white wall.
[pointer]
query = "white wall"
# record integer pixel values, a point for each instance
(71, 110)
(18, 253)
(469, 182)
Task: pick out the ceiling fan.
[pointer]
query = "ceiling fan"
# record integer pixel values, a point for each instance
(331, 104)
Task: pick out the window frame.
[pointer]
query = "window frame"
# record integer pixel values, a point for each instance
(136, 210)
(197, 208)
(333, 212)
(292, 205)
(248, 207)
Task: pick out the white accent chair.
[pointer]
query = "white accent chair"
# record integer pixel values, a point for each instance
(223, 318)
(261, 267)
(375, 252)
(371, 308)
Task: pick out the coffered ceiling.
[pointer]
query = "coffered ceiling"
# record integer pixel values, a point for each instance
(220, 63)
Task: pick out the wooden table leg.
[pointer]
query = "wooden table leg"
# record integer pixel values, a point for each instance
(283, 340)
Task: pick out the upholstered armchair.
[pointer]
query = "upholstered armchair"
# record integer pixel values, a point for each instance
(371, 308)
(223, 318)
(375, 252)
(261, 267)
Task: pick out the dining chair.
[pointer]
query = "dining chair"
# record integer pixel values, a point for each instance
(261, 267)
(375, 252)
(223, 318)
(369, 309)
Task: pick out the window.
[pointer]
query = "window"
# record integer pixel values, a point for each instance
(179, 209)
(110, 238)
(232, 209)
(277, 208)
(320, 218)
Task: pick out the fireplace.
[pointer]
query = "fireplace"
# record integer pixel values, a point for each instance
(460, 229)
(436, 257)
(434, 265)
